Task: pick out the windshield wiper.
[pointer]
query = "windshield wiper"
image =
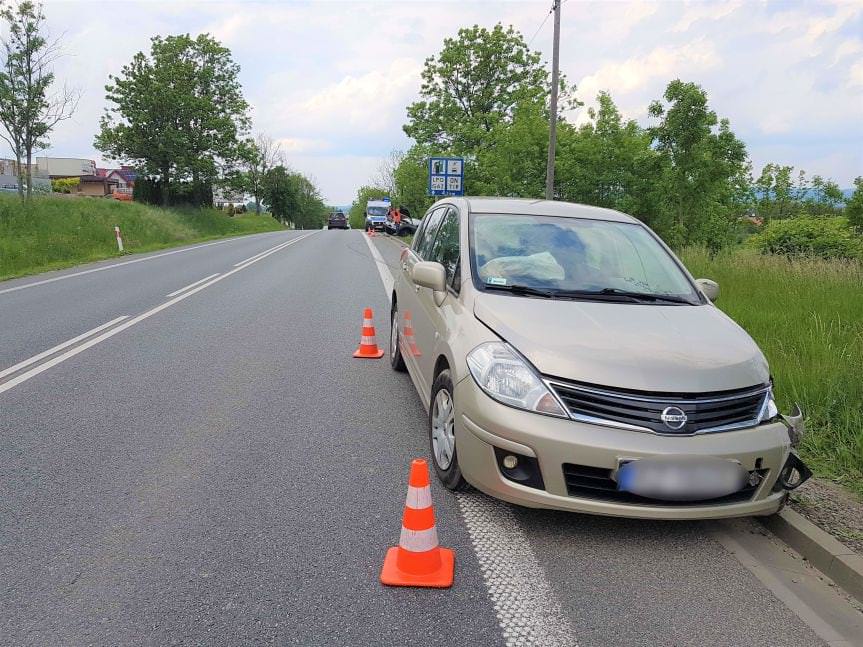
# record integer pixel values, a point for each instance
(647, 296)
(522, 289)
(606, 294)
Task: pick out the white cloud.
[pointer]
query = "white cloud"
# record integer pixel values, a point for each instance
(696, 11)
(625, 78)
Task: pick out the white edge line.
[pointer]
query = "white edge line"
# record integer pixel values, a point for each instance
(383, 269)
(136, 260)
(191, 285)
(59, 347)
(131, 322)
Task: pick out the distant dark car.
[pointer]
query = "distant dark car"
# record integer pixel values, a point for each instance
(337, 221)
(407, 227)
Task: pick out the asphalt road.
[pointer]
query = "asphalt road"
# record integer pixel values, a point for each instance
(217, 469)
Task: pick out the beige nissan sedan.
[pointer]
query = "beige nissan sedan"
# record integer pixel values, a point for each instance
(568, 360)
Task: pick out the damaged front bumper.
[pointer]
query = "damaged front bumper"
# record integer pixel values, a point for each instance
(794, 472)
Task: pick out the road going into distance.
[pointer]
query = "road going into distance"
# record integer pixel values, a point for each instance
(199, 460)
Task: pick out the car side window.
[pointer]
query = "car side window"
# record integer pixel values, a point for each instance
(445, 249)
(430, 227)
(420, 232)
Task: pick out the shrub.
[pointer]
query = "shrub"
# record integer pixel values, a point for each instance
(65, 185)
(807, 236)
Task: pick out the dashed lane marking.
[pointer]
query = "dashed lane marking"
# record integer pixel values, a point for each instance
(132, 262)
(36, 370)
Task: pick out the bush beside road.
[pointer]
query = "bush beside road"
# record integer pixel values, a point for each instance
(54, 232)
(807, 316)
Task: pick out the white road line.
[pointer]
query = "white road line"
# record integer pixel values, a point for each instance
(115, 265)
(263, 254)
(191, 285)
(523, 599)
(59, 347)
(23, 377)
(383, 269)
(527, 610)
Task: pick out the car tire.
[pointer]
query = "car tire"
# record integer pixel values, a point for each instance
(442, 434)
(396, 360)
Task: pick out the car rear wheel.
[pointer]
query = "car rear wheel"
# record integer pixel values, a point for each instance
(442, 433)
(396, 359)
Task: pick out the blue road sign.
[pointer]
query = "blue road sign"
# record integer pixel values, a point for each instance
(446, 176)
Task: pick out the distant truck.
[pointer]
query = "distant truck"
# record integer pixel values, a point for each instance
(376, 214)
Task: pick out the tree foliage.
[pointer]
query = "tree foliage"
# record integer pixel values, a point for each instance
(473, 85)
(854, 206)
(293, 199)
(177, 113)
(29, 111)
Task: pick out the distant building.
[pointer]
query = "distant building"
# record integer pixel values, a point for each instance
(60, 167)
(10, 167)
(93, 185)
(125, 177)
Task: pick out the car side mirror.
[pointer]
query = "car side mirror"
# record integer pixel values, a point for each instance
(429, 274)
(709, 288)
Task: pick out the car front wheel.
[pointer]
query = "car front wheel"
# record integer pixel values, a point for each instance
(442, 433)
(396, 359)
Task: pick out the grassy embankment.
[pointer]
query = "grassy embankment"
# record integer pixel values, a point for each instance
(807, 316)
(56, 232)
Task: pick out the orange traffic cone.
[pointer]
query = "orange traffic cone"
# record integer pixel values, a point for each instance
(410, 340)
(368, 348)
(418, 560)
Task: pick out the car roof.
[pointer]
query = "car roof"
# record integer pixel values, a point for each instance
(533, 207)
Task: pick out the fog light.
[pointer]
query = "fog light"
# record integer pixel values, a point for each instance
(521, 469)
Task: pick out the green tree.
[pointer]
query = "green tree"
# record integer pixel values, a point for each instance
(609, 162)
(514, 161)
(293, 198)
(473, 85)
(255, 158)
(776, 196)
(177, 113)
(279, 193)
(854, 206)
(28, 113)
(410, 180)
(357, 213)
(703, 168)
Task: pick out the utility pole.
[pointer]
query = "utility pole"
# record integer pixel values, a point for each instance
(552, 125)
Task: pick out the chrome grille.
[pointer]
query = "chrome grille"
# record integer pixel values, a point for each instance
(642, 411)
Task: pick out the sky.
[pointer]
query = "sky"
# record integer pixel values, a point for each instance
(331, 80)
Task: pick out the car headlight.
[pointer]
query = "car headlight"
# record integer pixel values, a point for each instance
(769, 410)
(506, 377)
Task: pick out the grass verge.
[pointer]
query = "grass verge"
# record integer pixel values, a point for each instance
(56, 232)
(807, 316)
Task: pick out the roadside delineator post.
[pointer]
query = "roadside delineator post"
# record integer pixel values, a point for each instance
(119, 239)
(418, 560)
(368, 348)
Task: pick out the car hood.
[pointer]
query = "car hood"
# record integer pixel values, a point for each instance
(686, 349)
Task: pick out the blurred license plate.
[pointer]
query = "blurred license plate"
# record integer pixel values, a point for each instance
(682, 478)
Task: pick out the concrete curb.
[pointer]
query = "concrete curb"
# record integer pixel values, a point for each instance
(822, 550)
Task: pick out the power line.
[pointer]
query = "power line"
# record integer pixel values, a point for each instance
(545, 20)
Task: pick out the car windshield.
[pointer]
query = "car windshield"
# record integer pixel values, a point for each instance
(574, 257)
(377, 211)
